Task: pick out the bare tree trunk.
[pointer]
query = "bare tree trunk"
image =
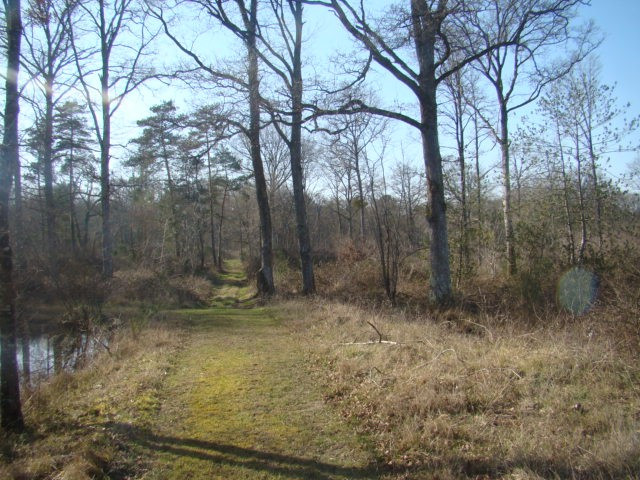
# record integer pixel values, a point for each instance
(10, 404)
(596, 192)
(295, 145)
(425, 42)
(72, 200)
(219, 259)
(506, 190)
(105, 147)
(265, 275)
(583, 216)
(356, 158)
(18, 215)
(478, 186)
(211, 205)
(175, 228)
(49, 202)
(439, 251)
(567, 204)
(337, 199)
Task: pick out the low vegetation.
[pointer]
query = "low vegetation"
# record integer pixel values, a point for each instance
(447, 396)
(68, 417)
(497, 386)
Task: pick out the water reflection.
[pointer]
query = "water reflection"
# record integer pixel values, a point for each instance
(43, 355)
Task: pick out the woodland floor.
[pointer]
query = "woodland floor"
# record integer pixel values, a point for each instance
(239, 403)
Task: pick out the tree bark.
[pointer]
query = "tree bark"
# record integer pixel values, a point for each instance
(265, 275)
(175, 226)
(18, 215)
(439, 248)
(47, 160)
(219, 259)
(356, 157)
(567, 205)
(506, 189)
(105, 147)
(424, 27)
(596, 190)
(72, 198)
(478, 186)
(10, 405)
(295, 145)
(583, 215)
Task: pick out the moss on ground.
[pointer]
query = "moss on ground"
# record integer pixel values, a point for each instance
(240, 404)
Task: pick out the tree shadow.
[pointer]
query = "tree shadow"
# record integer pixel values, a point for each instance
(245, 458)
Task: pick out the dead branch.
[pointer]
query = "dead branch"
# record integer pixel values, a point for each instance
(377, 331)
(383, 342)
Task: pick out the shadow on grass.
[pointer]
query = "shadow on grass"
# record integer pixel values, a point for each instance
(242, 458)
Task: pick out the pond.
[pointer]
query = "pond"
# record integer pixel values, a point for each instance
(48, 352)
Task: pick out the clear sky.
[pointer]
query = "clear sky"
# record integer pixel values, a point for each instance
(619, 21)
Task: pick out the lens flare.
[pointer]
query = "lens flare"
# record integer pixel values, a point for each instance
(577, 290)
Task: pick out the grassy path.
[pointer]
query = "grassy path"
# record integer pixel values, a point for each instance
(240, 404)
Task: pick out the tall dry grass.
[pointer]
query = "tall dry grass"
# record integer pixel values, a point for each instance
(69, 417)
(462, 395)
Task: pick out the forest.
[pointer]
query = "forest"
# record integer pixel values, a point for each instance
(418, 220)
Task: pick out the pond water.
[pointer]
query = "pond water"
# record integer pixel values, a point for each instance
(47, 353)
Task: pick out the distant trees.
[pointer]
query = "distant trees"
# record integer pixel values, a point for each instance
(182, 192)
(160, 142)
(588, 127)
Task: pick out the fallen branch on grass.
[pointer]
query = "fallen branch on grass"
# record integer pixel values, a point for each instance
(380, 341)
(377, 331)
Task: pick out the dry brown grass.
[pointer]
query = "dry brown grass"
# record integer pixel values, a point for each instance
(68, 417)
(473, 396)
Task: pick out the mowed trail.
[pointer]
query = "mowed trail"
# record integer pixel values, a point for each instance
(240, 404)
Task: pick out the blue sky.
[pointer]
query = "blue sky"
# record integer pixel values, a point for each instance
(617, 20)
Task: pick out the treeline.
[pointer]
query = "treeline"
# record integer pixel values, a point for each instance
(278, 160)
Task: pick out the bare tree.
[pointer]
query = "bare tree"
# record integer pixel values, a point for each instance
(285, 60)
(526, 31)
(460, 117)
(120, 30)
(354, 134)
(416, 44)
(10, 405)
